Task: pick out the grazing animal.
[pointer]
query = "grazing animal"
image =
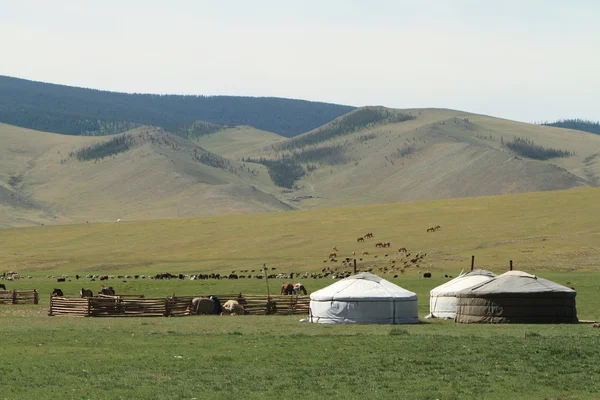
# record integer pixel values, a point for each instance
(299, 288)
(402, 250)
(386, 244)
(60, 279)
(365, 253)
(332, 255)
(2, 286)
(201, 306)
(368, 235)
(86, 293)
(379, 244)
(335, 248)
(287, 288)
(360, 239)
(430, 229)
(233, 308)
(109, 291)
(596, 325)
(427, 275)
(57, 293)
(103, 277)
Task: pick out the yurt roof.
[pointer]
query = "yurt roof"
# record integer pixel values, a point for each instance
(364, 287)
(517, 283)
(462, 282)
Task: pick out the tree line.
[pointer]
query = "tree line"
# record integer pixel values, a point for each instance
(577, 124)
(79, 111)
(527, 148)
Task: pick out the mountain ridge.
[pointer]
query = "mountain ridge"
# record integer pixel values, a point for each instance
(81, 111)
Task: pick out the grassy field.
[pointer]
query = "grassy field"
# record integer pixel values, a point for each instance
(551, 234)
(553, 231)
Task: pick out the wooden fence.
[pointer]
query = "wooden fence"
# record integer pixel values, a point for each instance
(129, 306)
(19, 296)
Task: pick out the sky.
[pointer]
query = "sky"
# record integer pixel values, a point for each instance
(526, 60)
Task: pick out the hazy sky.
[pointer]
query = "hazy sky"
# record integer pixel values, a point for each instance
(527, 60)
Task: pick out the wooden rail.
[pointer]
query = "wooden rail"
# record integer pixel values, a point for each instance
(136, 306)
(19, 296)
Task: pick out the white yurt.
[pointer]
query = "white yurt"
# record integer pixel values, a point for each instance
(363, 298)
(442, 299)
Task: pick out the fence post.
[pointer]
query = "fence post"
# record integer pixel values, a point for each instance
(167, 307)
(14, 297)
(51, 301)
(89, 306)
(36, 298)
(510, 265)
(472, 262)
(355, 266)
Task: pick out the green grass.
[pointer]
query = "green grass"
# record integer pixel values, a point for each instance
(263, 357)
(553, 235)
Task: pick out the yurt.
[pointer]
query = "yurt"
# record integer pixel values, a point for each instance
(442, 299)
(516, 297)
(363, 298)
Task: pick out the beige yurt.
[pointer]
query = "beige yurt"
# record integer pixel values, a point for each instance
(442, 299)
(516, 297)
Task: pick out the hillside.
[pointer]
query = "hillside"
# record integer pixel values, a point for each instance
(426, 154)
(372, 155)
(48, 178)
(79, 111)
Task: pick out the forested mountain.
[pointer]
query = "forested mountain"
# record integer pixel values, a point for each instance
(79, 111)
(577, 124)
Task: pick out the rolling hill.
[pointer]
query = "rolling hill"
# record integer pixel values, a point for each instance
(80, 111)
(426, 154)
(49, 178)
(372, 155)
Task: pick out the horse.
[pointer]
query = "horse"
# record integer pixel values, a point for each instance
(335, 248)
(332, 255)
(386, 244)
(360, 239)
(436, 227)
(379, 244)
(287, 288)
(402, 250)
(432, 229)
(299, 288)
(86, 293)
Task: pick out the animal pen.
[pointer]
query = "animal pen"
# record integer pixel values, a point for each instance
(19, 296)
(136, 306)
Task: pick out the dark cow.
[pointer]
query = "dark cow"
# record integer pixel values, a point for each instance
(60, 279)
(108, 291)
(57, 293)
